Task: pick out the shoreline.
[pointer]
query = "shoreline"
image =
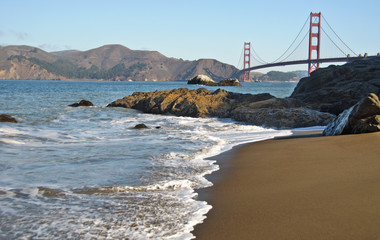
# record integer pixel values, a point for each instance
(224, 159)
(302, 186)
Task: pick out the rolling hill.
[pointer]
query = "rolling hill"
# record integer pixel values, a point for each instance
(109, 62)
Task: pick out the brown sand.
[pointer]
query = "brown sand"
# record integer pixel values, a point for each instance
(308, 187)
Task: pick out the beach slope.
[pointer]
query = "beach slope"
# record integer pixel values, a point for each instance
(298, 187)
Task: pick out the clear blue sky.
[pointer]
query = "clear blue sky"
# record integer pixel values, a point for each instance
(190, 29)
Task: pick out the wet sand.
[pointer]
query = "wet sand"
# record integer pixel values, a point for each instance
(298, 187)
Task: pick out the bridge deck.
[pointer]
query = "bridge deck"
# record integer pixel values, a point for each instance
(322, 60)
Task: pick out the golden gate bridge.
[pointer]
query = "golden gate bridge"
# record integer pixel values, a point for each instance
(314, 53)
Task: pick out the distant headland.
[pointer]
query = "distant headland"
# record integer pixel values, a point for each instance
(116, 63)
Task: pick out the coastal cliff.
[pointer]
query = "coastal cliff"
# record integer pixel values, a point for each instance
(336, 88)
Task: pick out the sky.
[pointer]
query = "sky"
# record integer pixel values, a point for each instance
(190, 30)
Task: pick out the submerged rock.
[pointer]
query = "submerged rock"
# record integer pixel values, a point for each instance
(7, 118)
(259, 109)
(141, 126)
(363, 117)
(82, 103)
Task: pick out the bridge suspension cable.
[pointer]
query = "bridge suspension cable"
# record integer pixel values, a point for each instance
(307, 19)
(333, 42)
(241, 57)
(314, 58)
(336, 36)
(258, 59)
(307, 33)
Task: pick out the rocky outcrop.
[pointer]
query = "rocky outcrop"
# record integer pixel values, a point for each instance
(336, 88)
(202, 80)
(7, 118)
(180, 102)
(280, 113)
(230, 82)
(363, 117)
(261, 109)
(207, 81)
(82, 103)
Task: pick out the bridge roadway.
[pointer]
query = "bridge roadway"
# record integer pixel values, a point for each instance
(322, 60)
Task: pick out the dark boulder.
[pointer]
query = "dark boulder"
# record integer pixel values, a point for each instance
(82, 103)
(363, 117)
(7, 118)
(141, 126)
(229, 82)
(336, 88)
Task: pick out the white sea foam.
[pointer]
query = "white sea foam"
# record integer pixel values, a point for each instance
(82, 173)
(11, 142)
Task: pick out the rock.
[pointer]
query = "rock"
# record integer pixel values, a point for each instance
(207, 81)
(202, 80)
(283, 118)
(7, 118)
(229, 82)
(259, 109)
(180, 102)
(363, 117)
(82, 103)
(141, 126)
(280, 113)
(336, 88)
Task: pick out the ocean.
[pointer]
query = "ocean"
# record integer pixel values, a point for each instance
(87, 173)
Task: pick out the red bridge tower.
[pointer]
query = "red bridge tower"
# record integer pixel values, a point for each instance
(247, 61)
(314, 41)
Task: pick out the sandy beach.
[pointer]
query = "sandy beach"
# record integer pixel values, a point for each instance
(298, 187)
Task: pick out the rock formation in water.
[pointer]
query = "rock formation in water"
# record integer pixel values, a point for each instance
(207, 81)
(230, 82)
(363, 117)
(261, 109)
(7, 118)
(336, 88)
(82, 103)
(141, 126)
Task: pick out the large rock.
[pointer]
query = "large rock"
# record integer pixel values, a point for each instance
(207, 81)
(7, 118)
(180, 102)
(363, 117)
(260, 109)
(82, 103)
(280, 113)
(202, 80)
(336, 88)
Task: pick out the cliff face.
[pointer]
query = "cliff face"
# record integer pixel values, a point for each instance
(20, 68)
(110, 62)
(336, 88)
